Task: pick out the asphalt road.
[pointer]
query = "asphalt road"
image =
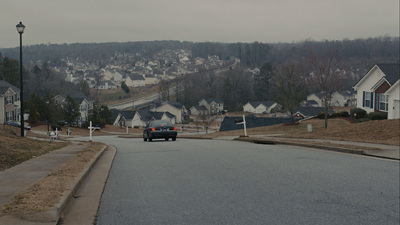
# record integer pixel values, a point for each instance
(228, 182)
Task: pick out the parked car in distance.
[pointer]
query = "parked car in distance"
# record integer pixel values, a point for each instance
(158, 129)
(18, 124)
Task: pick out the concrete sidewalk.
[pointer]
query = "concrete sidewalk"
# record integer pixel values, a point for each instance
(19, 178)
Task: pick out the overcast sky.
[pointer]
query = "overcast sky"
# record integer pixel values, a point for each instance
(268, 21)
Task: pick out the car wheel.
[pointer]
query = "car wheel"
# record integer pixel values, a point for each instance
(166, 139)
(173, 139)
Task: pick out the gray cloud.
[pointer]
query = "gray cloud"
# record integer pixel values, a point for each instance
(56, 21)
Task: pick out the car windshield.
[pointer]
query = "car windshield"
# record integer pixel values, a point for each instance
(161, 123)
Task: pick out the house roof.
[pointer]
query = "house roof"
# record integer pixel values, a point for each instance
(265, 103)
(147, 115)
(311, 102)
(216, 100)
(391, 70)
(320, 95)
(114, 113)
(174, 104)
(136, 76)
(128, 114)
(312, 111)
(346, 93)
(251, 121)
(397, 84)
(4, 85)
(200, 107)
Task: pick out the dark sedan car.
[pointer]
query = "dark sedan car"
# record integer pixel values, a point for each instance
(159, 129)
(18, 124)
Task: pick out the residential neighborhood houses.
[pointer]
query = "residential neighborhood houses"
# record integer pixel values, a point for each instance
(262, 107)
(167, 64)
(377, 91)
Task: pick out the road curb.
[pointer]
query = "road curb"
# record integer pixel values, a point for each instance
(54, 215)
(309, 145)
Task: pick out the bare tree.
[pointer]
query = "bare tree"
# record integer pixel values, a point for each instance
(98, 78)
(207, 120)
(163, 90)
(289, 82)
(325, 74)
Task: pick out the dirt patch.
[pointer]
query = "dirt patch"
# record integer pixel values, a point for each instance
(46, 193)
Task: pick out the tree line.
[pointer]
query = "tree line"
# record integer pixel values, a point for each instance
(357, 53)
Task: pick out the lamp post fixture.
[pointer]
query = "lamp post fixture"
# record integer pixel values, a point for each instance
(20, 29)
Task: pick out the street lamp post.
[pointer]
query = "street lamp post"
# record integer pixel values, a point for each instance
(20, 29)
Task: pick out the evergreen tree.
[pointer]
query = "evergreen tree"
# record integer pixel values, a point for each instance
(71, 109)
(105, 114)
(9, 71)
(125, 87)
(262, 82)
(33, 114)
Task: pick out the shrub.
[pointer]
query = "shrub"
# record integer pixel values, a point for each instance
(56, 126)
(321, 115)
(377, 116)
(360, 113)
(340, 114)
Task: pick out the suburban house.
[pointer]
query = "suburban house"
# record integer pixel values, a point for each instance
(85, 106)
(107, 85)
(338, 98)
(311, 103)
(213, 106)
(175, 108)
(9, 102)
(150, 79)
(262, 107)
(378, 90)
(309, 112)
(316, 98)
(134, 80)
(343, 98)
(141, 117)
(124, 118)
(198, 110)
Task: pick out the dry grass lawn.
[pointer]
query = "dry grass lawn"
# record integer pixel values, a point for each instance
(15, 150)
(378, 131)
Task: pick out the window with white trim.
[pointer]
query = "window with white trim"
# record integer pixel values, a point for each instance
(383, 102)
(367, 100)
(10, 116)
(9, 100)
